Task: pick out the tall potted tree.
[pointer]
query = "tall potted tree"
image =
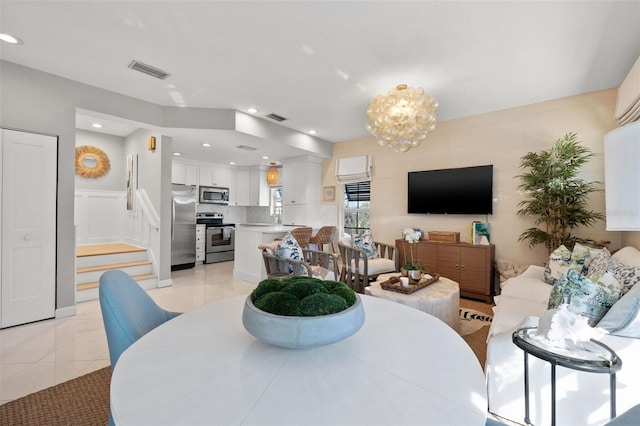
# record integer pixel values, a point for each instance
(556, 195)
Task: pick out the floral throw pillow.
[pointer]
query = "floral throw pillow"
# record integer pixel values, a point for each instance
(589, 297)
(583, 256)
(558, 265)
(290, 249)
(365, 242)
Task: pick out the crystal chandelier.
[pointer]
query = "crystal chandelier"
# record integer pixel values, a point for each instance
(402, 118)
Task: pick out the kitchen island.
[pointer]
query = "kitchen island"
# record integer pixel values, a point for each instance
(248, 264)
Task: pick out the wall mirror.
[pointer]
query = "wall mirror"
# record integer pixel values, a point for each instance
(91, 162)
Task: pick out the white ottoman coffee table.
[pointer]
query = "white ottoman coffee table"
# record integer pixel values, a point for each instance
(440, 299)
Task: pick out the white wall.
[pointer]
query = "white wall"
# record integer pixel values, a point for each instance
(154, 176)
(39, 102)
(500, 138)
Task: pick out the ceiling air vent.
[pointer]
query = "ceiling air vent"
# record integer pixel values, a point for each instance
(276, 117)
(149, 70)
(246, 147)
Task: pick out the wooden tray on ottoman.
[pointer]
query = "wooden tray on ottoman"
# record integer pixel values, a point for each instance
(394, 284)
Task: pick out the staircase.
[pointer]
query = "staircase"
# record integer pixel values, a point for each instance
(94, 260)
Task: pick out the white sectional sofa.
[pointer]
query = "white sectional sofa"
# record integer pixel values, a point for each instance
(582, 398)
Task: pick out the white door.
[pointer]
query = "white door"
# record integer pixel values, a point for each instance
(28, 262)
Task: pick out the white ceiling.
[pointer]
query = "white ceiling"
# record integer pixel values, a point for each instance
(319, 63)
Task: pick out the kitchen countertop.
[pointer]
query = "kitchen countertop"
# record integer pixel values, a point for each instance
(266, 227)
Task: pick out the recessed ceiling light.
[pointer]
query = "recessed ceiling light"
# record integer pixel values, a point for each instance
(233, 163)
(97, 125)
(312, 132)
(8, 38)
(177, 154)
(206, 144)
(252, 110)
(265, 157)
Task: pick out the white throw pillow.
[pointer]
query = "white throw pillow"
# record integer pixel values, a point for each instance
(628, 255)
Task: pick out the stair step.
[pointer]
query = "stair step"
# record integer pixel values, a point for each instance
(112, 266)
(102, 249)
(95, 284)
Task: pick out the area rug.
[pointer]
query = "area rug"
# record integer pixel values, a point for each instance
(472, 320)
(78, 402)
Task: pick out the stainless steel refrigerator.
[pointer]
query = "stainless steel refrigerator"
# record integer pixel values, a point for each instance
(183, 227)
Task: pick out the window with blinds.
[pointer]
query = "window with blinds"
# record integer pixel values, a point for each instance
(357, 198)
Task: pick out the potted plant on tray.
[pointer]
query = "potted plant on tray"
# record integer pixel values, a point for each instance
(411, 267)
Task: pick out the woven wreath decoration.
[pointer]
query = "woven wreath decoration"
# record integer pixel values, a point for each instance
(89, 153)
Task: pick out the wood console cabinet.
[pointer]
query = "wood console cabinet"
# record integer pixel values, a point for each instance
(470, 265)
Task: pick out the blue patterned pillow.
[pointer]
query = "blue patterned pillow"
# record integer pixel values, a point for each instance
(365, 242)
(590, 298)
(290, 249)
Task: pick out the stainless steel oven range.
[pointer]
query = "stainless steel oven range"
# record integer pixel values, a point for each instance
(219, 245)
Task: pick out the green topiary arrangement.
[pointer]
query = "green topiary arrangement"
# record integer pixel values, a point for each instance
(302, 296)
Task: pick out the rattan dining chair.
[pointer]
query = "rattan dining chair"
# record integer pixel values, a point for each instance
(315, 264)
(302, 235)
(325, 235)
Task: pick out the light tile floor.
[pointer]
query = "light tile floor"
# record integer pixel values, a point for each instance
(42, 354)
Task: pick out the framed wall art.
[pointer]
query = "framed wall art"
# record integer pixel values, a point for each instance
(329, 193)
(132, 179)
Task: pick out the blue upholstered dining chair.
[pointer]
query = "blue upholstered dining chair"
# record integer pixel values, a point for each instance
(128, 312)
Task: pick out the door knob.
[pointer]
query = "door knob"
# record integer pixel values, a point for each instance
(27, 237)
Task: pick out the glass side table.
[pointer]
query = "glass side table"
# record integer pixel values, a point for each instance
(591, 356)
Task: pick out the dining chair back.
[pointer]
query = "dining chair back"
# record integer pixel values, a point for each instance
(128, 312)
(302, 235)
(358, 270)
(325, 235)
(314, 263)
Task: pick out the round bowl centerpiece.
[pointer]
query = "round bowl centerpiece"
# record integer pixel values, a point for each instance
(308, 312)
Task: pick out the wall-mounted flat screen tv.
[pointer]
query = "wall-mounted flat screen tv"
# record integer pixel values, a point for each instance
(467, 190)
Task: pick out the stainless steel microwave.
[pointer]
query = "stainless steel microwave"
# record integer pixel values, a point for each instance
(214, 195)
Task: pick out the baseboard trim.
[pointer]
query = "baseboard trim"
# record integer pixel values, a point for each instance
(165, 283)
(68, 311)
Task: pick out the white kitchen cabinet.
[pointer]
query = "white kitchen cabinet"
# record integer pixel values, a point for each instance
(242, 187)
(251, 187)
(232, 186)
(301, 181)
(178, 173)
(201, 237)
(214, 176)
(191, 175)
(258, 187)
(184, 174)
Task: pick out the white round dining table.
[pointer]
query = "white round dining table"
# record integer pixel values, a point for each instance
(403, 367)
